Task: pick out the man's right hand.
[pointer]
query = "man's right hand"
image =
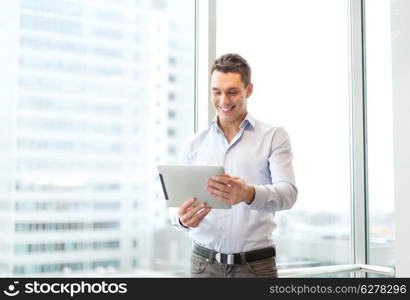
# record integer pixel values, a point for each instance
(188, 213)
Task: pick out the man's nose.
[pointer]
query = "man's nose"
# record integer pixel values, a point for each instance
(224, 99)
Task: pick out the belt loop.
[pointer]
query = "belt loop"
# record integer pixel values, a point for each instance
(211, 256)
(243, 258)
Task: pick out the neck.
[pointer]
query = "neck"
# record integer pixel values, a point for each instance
(230, 129)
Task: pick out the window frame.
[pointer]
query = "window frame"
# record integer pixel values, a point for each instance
(205, 41)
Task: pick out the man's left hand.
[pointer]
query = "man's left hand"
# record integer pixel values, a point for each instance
(230, 189)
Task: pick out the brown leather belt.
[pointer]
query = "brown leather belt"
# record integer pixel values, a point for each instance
(235, 258)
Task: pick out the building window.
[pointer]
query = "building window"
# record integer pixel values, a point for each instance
(78, 154)
(171, 114)
(172, 60)
(171, 96)
(171, 132)
(172, 78)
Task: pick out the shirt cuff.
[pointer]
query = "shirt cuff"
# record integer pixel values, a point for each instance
(260, 199)
(176, 222)
(179, 221)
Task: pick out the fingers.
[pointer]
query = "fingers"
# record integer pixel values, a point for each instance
(226, 197)
(190, 216)
(225, 179)
(223, 191)
(193, 210)
(218, 185)
(184, 207)
(196, 219)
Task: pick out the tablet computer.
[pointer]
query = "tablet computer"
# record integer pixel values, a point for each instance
(180, 182)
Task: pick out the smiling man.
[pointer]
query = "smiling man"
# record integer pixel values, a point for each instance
(259, 181)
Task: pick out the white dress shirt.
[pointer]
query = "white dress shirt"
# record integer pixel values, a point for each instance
(261, 155)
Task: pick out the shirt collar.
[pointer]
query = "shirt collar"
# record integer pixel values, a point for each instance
(248, 120)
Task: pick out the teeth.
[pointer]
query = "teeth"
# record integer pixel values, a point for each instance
(227, 109)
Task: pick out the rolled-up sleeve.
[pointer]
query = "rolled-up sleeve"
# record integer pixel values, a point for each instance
(282, 193)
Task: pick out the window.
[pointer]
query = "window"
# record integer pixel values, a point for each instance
(84, 147)
(300, 77)
(380, 133)
(172, 61)
(171, 132)
(171, 96)
(172, 78)
(171, 114)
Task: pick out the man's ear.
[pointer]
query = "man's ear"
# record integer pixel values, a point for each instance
(249, 90)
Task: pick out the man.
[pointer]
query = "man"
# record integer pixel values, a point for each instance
(259, 181)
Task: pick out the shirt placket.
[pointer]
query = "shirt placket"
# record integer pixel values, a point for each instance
(226, 230)
(222, 230)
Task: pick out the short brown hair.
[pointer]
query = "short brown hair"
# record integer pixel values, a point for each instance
(233, 63)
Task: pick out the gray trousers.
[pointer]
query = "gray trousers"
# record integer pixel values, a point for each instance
(264, 268)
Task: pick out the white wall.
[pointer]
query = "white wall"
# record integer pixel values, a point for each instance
(401, 126)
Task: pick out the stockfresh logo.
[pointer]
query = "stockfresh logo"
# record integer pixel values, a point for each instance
(11, 290)
(72, 289)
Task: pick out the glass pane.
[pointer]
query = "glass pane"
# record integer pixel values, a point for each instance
(298, 51)
(380, 132)
(95, 94)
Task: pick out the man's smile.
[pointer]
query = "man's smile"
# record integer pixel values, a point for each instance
(227, 109)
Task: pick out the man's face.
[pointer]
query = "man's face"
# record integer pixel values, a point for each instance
(229, 96)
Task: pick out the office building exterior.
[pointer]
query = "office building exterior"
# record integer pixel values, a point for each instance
(96, 94)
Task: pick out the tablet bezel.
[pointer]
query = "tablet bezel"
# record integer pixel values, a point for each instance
(181, 182)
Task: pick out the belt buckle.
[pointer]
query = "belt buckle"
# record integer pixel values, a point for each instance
(230, 258)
